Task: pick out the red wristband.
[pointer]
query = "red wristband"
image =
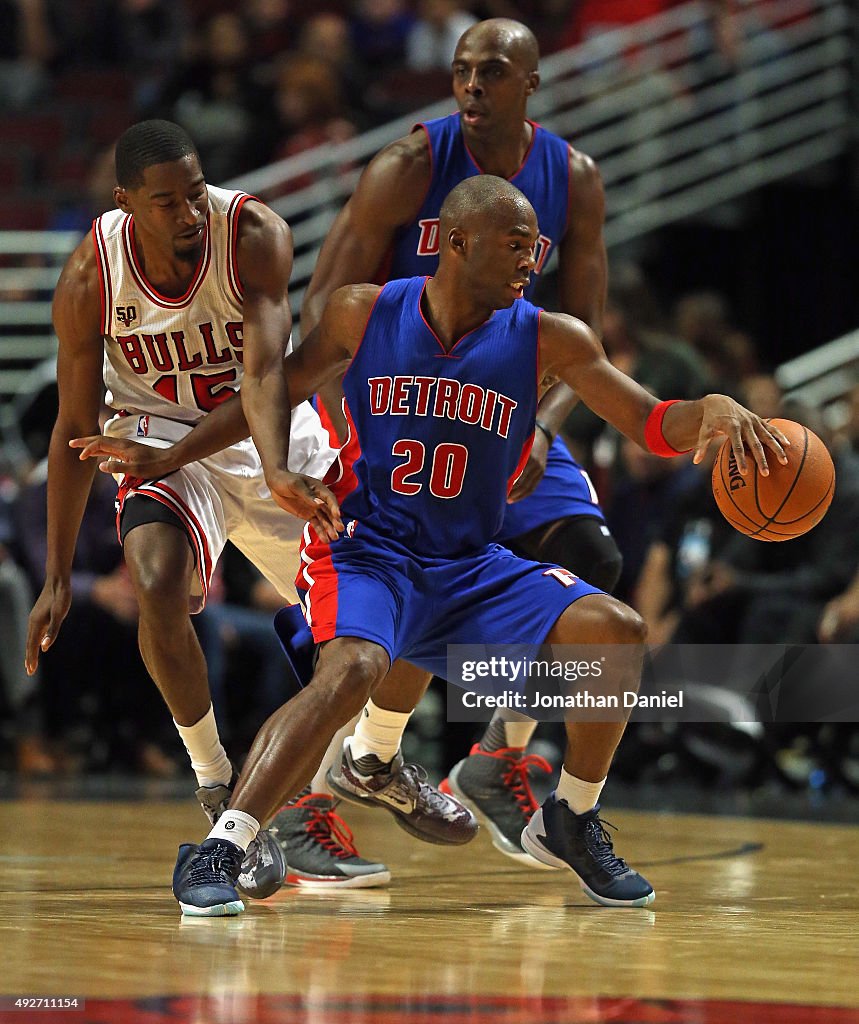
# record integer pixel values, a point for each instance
(653, 436)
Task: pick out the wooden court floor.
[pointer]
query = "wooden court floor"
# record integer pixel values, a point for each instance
(754, 921)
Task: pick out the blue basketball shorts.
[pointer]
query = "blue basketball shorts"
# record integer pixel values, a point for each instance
(414, 607)
(565, 490)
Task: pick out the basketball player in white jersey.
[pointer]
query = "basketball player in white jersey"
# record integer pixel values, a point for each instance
(176, 299)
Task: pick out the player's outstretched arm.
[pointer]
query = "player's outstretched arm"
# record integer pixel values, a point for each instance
(572, 352)
(76, 316)
(324, 355)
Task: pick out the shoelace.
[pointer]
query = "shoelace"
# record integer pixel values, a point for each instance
(516, 779)
(215, 867)
(600, 846)
(329, 830)
(411, 782)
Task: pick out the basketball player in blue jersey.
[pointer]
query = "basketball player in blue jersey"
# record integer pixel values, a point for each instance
(177, 298)
(390, 229)
(440, 396)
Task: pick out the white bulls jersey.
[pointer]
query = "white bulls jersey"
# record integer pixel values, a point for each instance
(172, 357)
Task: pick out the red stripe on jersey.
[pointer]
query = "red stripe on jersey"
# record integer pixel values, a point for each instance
(341, 476)
(233, 276)
(327, 422)
(159, 491)
(523, 458)
(104, 285)
(317, 578)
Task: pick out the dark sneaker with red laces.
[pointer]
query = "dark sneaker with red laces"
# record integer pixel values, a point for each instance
(419, 808)
(580, 842)
(319, 848)
(496, 784)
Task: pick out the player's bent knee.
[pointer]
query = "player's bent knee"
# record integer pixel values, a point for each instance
(349, 671)
(598, 619)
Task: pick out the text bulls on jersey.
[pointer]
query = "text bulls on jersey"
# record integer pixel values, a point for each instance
(441, 397)
(169, 351)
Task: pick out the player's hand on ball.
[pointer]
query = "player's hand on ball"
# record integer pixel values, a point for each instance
(122, 455)
(723, 417)
(308, 499)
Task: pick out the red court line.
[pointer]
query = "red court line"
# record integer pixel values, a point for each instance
(436, 1009)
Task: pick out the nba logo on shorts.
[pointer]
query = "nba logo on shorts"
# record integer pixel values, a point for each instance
(143, 426)
(350, 528)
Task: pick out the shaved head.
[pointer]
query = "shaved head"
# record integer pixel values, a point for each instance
(483, 200)
(515, 40)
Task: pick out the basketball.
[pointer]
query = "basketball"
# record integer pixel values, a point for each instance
(788, 502)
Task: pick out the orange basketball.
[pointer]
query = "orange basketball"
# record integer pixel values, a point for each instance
(788, 502)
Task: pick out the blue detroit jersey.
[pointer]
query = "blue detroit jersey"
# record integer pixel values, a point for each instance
(543, 177)
(441, 435)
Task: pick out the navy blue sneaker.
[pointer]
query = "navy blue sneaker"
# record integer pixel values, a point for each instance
(204, 879)
(580, 842)
(297, 643)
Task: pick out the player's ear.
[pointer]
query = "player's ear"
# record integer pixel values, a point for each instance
(120, 197)
(533, 83)
(456, 240)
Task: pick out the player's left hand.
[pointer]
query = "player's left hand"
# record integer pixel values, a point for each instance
(308, 499)
(534, 469)
(122, 455)
(722, 416)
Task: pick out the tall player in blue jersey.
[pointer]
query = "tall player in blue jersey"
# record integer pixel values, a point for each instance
(390, 229)
(441, 395)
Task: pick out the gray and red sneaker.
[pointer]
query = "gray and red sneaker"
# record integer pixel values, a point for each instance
(496, 784)
(319, 847)
(402, 789)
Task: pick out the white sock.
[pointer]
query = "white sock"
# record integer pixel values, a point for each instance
(580, 796)
(517, 731)
(378, 732)
(236, 827)
(319, 784)
(208, 758)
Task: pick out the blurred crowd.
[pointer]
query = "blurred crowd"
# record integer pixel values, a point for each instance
(693, 577)
(252, 82)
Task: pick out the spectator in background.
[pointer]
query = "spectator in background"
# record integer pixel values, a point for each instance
(327, 37)
(432, 41)
(27, 46)
(146, 37)
(637, 343)
(81, 209)
(646, 490)
(218, 99)
(309, 106)
(380, 29)
(117, 726)
(21, 714)
(702, 320)
(272, 26)
(678, 554)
